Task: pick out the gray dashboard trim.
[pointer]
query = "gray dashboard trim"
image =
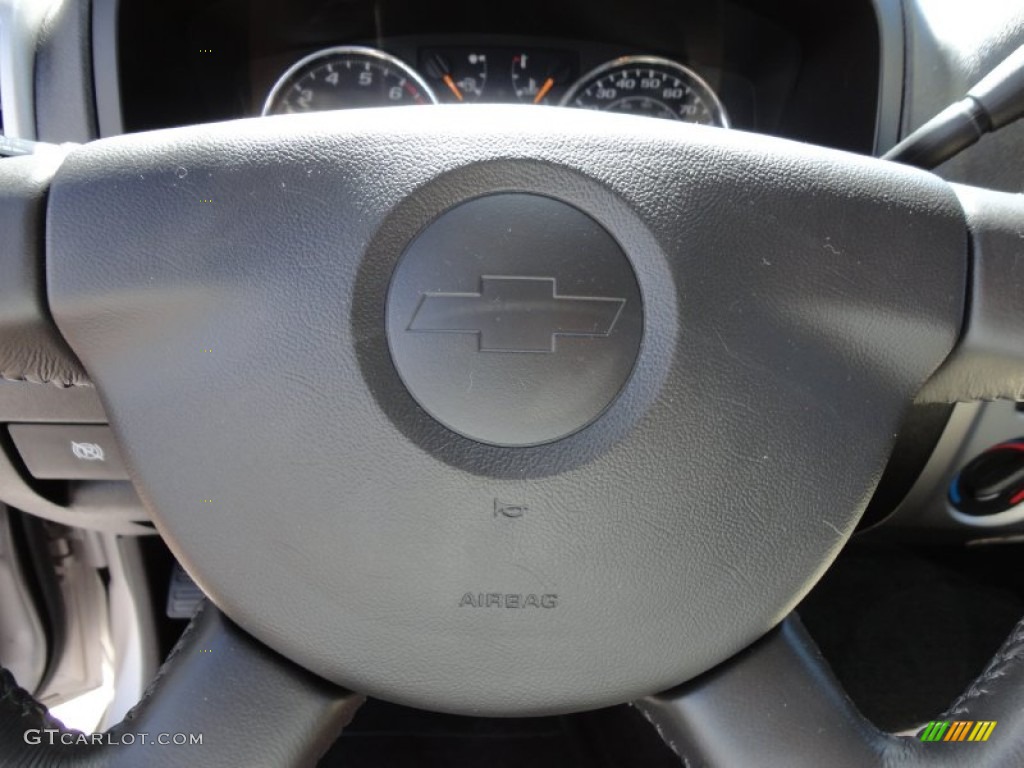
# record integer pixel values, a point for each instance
(104, 67)
(20, 24)
(64, 103)
(892, 54)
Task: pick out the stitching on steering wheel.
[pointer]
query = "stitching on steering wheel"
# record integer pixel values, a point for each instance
(11, 691)
(63, 383)
(183, 641)
(1011, 652)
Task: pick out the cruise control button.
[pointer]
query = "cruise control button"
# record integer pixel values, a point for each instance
(69, 451)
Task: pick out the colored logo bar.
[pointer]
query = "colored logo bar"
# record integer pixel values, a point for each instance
(958, 730)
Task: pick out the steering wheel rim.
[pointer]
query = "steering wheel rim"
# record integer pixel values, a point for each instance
(778, 703)
(775, 703)
(80, 294)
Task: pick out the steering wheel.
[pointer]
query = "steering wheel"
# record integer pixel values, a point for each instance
(509, 411)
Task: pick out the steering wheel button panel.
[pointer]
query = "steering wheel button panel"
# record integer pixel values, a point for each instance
(272, 363)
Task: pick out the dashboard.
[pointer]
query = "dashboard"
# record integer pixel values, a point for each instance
(800, 71)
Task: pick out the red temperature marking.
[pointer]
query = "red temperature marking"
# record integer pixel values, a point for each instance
(416, 95)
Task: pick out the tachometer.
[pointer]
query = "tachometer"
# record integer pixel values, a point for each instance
(651, 86)
(347, 77)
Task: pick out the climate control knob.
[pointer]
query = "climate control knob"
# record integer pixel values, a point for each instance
(992, 482)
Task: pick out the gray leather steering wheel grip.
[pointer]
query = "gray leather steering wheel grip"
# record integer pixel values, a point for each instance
(249, 705)
(778, 704)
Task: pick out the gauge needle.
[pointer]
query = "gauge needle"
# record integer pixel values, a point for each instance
(548, 84)
(451, 84)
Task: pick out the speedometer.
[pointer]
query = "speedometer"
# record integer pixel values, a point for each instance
(347, 77)
(650, 86)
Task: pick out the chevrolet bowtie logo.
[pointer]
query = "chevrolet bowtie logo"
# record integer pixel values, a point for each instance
(516, 314)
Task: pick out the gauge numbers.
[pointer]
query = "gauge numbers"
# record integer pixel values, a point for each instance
(347, 77)
(649, 86)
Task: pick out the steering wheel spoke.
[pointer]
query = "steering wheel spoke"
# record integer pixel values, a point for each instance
(988, 363)
(778, 704)
(31, 349)
(775, 703)
(221, 698)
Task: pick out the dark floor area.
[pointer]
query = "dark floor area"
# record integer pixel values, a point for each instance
(906, 629)
(388, 736)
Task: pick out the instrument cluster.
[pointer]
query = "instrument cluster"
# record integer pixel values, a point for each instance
(353, 76)
(803, 69)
